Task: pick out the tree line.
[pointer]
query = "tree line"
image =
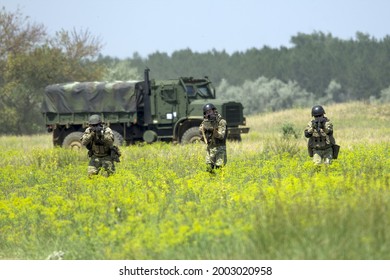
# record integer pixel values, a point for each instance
(317, 68)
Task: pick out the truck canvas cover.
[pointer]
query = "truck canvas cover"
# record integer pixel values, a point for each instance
(93, 97)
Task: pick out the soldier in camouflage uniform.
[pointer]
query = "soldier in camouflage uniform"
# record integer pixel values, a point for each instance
(99, 141)
(214, 132)
(320, 133)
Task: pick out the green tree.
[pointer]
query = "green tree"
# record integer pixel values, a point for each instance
(80, 49)
(120, 70)
(29, 61)
(266, 95)
(385, 95)
(17, 37)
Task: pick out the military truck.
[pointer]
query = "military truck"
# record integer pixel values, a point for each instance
(148, 111)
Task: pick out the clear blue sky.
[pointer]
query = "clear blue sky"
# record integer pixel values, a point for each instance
(147, 26)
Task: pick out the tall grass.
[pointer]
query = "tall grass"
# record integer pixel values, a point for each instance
(269, 202)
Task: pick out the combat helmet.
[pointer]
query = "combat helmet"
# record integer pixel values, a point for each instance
(94, 120)
(207, 107)
(317, 110)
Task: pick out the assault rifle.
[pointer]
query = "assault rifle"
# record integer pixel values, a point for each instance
(97, 129)
(98, 134)
(115, 153)
(318, 123)
(208, 124)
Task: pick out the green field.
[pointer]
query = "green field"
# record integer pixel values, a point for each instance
(269, 202)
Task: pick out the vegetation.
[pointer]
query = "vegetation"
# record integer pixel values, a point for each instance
(269, 202)
(30, 60)
(317, 69)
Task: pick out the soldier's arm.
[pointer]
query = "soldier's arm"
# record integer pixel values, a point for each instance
(309, 130)
(201, 128)
(220, 131)
(87, 136)
(108, 136)
(328, 127)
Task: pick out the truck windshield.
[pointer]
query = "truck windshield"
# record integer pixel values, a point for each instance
(203, 91)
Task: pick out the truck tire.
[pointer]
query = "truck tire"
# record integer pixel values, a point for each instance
(191, 136)
(118, 138)
(72, 141)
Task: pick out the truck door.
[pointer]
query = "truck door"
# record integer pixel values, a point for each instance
(171, 104)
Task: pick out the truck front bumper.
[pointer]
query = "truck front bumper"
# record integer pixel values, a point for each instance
(237, 130)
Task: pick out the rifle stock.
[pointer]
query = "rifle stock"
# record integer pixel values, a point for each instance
(204, 135)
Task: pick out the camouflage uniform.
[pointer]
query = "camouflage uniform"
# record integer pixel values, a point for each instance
(321, 140)
(99, 145)
(215, 133)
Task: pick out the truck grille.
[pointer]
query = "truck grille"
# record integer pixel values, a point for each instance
(233, 113)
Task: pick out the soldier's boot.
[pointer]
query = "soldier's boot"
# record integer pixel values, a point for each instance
(210, 168)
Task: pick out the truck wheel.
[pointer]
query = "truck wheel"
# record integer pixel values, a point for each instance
(191, 136)
(72, 141)
(118, 138)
